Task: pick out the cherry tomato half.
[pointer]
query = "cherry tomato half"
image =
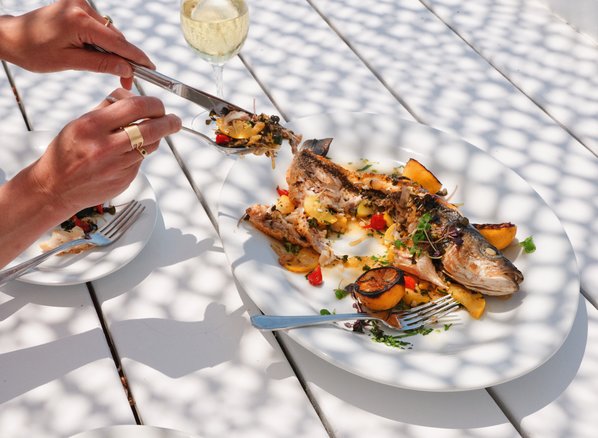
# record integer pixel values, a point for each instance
(409, 282)
(315, 276)
(222, 139)
(377, 222)
(281, 191)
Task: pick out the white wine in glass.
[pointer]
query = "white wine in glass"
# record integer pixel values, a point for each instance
(216, 29)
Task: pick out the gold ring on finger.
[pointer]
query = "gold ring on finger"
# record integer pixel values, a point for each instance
(135, 136)
(142, 151)
(108, 20)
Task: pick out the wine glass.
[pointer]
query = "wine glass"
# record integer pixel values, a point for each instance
(216, 29)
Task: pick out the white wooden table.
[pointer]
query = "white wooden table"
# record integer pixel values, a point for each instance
(172, 327)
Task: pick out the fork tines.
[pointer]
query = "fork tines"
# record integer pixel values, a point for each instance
(123, 219)
(430, 313)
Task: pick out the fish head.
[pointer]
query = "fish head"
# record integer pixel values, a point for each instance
(479, 266)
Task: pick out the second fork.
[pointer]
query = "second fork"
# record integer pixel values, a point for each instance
(427, 314)
(108, 234)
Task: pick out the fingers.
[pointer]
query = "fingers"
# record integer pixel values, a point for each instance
(127, 83)
(152, 131)
(122, 108)
(129, 109)
(154, 125)
(111, 39)
(99, 30)
(135, 156)
(115, 96)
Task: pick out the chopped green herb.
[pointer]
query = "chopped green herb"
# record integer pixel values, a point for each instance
(340, 293)
(399, 244)
(378, 335)
(291, 247)
(364, 168)
(420, 236)
(528, 245)
(325, 312)
(381, 260)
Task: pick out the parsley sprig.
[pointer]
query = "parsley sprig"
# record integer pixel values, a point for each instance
(528, 245)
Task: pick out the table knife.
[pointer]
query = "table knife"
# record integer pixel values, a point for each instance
(201, 98)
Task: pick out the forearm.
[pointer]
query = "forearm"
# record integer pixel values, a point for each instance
(26, 213)
(8, 45)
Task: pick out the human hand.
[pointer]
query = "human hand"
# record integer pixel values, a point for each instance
(54, 38)
(91, 160)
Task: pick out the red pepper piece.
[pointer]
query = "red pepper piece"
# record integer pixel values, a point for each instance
(409, 282)
(315, 276)
(82, 224)
(377, 222)
(281, 191)
(100, 208)
(222, 139)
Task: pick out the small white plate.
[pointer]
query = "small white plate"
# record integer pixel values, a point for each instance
(95, 263)
(132, 431)
(514, 336)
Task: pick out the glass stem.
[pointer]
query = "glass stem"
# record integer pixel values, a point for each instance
(218, 68)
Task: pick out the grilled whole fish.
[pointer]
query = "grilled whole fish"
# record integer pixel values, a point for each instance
(433, 240)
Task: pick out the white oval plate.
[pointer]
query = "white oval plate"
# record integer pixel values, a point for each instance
(132, 431)
(98, 262)
(513, 337)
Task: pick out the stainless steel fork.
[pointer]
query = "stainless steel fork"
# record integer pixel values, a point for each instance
(424, 315)
(105, 236)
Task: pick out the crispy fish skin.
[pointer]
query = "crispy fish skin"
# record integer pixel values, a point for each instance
(338, 188)
(453, 248)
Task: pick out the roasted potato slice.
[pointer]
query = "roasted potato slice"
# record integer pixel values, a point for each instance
(315, 209)
(417, 172)
(474, 302)
(498, 235)
(364, 209)
(414, 298)
(305, 260)
(284, 204)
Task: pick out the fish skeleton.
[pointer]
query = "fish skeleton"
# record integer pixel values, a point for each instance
(433, 240)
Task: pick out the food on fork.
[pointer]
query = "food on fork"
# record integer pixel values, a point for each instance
(262, 133)
(424, 236)
(76, 227)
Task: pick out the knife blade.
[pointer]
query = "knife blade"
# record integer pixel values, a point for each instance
(201, 98)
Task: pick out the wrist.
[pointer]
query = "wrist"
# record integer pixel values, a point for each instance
(27, 213)
(47, 193)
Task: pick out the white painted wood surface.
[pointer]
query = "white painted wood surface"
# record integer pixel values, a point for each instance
(58, 377)
(507, 76)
